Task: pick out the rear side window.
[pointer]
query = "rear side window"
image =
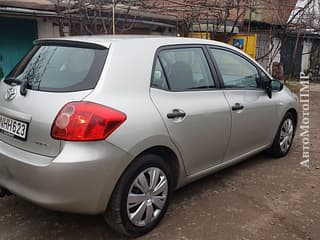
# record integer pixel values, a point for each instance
(61, 68)
(158, 77)
(182, 69)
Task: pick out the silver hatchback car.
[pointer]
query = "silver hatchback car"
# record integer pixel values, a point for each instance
(114, 125)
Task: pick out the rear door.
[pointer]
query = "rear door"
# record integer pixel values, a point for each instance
(193, 109)
(53, 74)
(253, 112)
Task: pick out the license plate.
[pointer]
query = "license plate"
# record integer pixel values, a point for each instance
(13, 128)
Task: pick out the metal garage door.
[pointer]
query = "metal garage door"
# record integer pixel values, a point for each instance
(16, 36)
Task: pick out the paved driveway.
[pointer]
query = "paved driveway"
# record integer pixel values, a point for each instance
(260, 198)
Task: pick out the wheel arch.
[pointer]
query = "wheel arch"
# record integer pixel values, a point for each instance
(168, 155)
(294, 113)
(117, 219)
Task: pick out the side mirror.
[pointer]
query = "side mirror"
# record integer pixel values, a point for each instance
(273, 85)
(267, 86)
(276, 85)
(269, 91)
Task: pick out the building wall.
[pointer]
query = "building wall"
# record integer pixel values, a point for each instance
(272, 11)
(46, 28)
(278, 11)
(306, 52)
(270, 51)
(262, 48)
(276, 50)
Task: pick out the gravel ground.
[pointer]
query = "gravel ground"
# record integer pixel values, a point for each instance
(260, 198)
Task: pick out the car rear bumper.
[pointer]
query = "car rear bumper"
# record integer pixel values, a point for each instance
(80, 179)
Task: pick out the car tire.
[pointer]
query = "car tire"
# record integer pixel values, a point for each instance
(284, 138)
(124, 213)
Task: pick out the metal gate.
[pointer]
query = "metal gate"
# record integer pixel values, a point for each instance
(289, 58)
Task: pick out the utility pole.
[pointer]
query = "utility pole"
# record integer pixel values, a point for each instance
(249, 27)
(113, 18)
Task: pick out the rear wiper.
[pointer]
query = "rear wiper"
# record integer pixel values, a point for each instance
(15, 81)
(12, 80)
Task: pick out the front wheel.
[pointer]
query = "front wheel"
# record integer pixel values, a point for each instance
(141, 196)
(284, 138)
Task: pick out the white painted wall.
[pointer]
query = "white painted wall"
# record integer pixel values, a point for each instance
(264, 46)
(46, 29)
(276, 50)
(306, 52)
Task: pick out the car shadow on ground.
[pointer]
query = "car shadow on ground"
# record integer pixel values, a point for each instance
(220, 178)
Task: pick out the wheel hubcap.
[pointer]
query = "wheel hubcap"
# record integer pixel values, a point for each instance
(286, 135)
(147, 196)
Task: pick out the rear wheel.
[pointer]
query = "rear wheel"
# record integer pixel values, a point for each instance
(283, 140)
(141, 197)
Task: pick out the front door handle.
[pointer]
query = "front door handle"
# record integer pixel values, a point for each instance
(176, 113)
(237, 106)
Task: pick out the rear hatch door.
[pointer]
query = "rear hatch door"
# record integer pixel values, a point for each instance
(51, 75)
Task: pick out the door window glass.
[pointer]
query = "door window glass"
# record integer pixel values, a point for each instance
(236, 72)
(184, 68)
(158, 77)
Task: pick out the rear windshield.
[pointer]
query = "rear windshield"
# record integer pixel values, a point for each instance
(61, 68)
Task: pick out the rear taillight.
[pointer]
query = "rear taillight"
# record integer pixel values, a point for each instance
(86, 121)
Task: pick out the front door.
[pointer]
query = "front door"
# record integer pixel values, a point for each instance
(194, 111)
(253, 112)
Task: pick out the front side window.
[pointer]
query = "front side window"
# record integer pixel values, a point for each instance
(61, 68)
(182, 69)
(236, 72)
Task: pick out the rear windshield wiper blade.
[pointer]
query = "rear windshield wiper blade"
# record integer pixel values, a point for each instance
(12, 81)
(15, 81)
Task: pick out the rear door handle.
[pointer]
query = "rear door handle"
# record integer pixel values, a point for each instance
(237, 106)
(176, 113)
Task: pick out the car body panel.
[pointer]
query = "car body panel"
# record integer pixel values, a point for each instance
(67, 182)
(39, 110)
(81, 176)
(286, 101)
(252, 127)
(201, 141)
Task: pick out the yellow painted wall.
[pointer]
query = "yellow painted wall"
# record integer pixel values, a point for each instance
(203, 35)
(246, 43)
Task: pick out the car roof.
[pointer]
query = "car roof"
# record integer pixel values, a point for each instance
(107, 40)
(154, 40)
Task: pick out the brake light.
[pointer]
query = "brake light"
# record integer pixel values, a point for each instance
(86, 121)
